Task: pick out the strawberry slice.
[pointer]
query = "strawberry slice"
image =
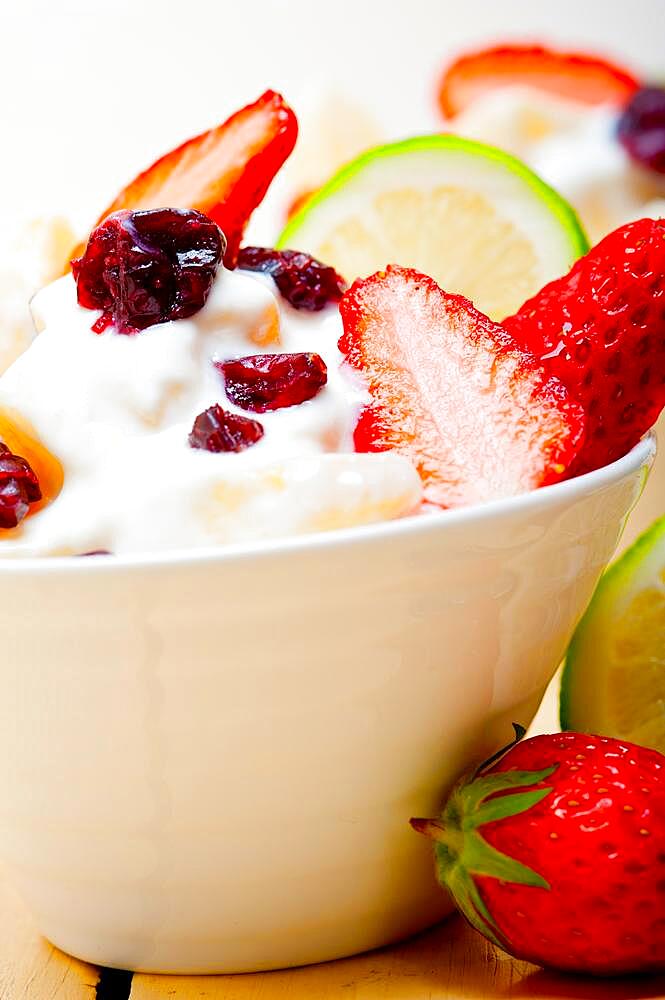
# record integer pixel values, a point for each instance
(449, 388)
(572, 75)
(223, 173)
(601, 331)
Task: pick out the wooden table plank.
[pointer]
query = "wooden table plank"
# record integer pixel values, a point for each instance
(451, 962)
(31, 968)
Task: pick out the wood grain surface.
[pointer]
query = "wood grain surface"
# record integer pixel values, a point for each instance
(31, 968)
(450, 962)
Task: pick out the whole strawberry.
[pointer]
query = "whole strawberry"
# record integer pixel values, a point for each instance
(556, 853)
(601, 331)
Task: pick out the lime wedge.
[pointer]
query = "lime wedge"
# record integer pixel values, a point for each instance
(614, 676)
(475, 219)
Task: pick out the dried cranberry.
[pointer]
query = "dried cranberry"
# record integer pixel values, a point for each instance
(263, 382)
(218, 430)
(143, 268)
(19, 487)
(303, 281)
(641, 128)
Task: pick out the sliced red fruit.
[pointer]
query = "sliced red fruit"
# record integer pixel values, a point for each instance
(223, 173)
(641, 128)
(298, 202)
(220, 430)
(263, 382)
(302, 280)
(148, 267)
(601, 331)
(574, 75)
(450, 389)
(19, 488)
(24, 459)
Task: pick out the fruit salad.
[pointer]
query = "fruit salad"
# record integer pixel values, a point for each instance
(591, 127)
(199, 397)
(189, 389)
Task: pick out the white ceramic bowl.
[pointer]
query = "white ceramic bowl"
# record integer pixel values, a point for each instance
(208, 762)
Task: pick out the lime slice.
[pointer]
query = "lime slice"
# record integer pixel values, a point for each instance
(614, 677)
(472, 217)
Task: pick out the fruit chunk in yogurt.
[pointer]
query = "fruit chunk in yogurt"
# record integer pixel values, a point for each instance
(117, 411)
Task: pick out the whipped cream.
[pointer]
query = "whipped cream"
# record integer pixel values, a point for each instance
(116, 412)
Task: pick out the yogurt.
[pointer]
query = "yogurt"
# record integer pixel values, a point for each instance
(34, 251)
(115, 412)
(573, 147)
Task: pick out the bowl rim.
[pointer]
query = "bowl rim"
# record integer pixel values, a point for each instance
(640, 456)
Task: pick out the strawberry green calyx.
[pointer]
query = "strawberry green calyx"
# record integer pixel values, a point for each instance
(563, 804)
(460, 850)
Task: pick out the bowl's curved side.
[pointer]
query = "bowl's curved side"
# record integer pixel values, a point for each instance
(211, 766)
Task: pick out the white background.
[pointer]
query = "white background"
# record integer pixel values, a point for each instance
(92, 91)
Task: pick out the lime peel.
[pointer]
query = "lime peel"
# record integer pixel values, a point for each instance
(397, 203)
(613, 682)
